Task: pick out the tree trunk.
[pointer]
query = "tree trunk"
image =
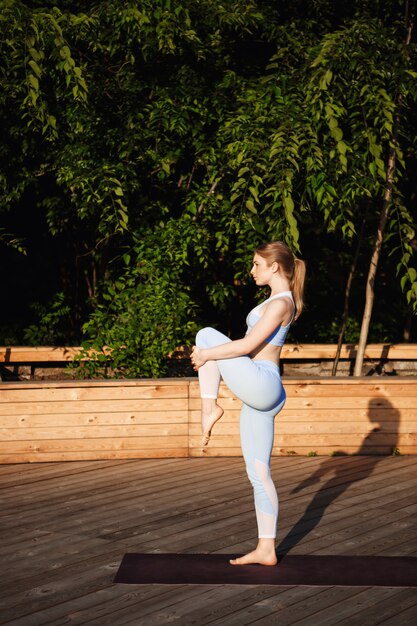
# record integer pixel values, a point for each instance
(408, 323)
(370, 283)
(347, 296)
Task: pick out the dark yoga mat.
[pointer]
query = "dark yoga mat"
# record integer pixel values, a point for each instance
(215, 569)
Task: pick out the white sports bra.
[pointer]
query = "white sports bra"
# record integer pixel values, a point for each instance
(277, 338)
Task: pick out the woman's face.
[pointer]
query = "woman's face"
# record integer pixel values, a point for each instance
(261, 272)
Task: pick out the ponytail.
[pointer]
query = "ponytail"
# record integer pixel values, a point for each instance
(294, 269)
(297, 285)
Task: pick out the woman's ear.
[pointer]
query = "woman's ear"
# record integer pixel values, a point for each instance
(275, 267)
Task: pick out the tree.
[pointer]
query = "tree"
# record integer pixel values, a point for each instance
(387, 200)
(166, 139)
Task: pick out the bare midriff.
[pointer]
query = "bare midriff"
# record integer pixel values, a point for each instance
(266, 352)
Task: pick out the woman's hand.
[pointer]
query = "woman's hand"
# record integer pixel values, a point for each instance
(197, 358)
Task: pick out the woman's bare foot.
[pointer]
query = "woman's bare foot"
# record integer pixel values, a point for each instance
(261, 556)
(207, 422)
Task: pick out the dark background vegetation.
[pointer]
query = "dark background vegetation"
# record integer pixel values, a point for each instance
(147, 147)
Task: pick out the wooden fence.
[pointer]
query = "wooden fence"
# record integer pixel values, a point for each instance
(80, 420)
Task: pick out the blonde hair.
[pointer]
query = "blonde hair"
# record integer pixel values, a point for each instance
(294, 269)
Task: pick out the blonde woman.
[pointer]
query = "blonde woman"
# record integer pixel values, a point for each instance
(250, 368)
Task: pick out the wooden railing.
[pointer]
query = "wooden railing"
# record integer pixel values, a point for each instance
(45, 354)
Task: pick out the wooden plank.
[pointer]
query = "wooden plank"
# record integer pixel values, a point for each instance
(94, 419)
(80, 449)
(347, 380)
(338, 414)
(94, 455)
(93, 432)
(108, 443)
(87, 406)
(326, 402)
(328, 440)
(28, 354)
(349, 351)
(74, 392)
(343, 388)
(385, 414)
(294, 450)
(372, 403)
(333, 386)
(360, 428)
(42, 354)
(108, 382)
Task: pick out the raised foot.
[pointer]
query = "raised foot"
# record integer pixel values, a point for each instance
(207, 423)
(258, 557)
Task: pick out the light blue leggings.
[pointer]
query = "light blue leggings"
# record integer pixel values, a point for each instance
(258, 384)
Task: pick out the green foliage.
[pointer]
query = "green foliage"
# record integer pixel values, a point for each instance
(143, 319)
(49, 328)
(145, 313)
(9, 239)
(167, 139)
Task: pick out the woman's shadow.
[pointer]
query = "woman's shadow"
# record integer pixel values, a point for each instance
(378, 442)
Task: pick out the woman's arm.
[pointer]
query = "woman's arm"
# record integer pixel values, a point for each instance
(274, 315)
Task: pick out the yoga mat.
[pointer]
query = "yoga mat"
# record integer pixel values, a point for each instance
(311, 570)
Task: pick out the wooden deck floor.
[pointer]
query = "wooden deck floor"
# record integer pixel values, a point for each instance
(65, 527)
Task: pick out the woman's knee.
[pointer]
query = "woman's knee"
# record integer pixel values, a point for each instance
(202, 337)
(266, 407)
(273, 405)
(209, 337)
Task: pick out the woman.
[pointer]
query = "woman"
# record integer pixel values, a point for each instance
(250, 368)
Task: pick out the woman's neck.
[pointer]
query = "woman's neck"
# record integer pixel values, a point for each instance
(278, 285)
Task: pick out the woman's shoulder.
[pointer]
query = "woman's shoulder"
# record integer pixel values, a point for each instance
(281, 294)
(281, 298)
(282, 303)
